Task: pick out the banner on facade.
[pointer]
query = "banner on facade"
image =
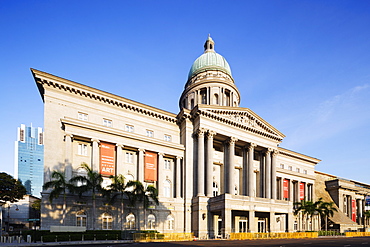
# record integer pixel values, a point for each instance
(150, 169)
(354, 210)
(286, 188)
(107, 161)
(301, 191)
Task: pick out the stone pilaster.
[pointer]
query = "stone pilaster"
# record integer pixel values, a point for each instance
(160, 174)
(141, 164)
(178, 176)
(268, 173)
(273, 173)
(95, 155)
(68, 156)
(119, 159)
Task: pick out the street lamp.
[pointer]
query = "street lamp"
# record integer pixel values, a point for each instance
(7, 230)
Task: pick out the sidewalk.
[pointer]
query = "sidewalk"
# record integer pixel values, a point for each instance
(23, 243)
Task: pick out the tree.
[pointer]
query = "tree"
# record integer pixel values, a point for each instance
(59, 186)
(137, 193)
(118, 191)
(11, 189)
(89, 183)
(327, 209)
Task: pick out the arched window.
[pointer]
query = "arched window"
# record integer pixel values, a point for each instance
(191, 103)
(170, 222)
(107, 221)
(130, 221)
(81, 172)
(151, 221)
(203, 95)
(167, 188)
(215, 99)
(81, 218)
(215, 189)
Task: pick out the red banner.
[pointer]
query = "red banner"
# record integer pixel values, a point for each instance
(301, 191)
(354, 210)
(150, 172)
(286, 188)
(107, 162)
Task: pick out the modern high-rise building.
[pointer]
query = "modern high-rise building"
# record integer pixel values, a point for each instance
(29, 158)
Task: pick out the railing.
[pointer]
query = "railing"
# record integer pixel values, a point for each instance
(272, 235)
(159, 237)
(357, 234)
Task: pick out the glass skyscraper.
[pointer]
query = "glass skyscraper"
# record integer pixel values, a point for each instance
(29, 158)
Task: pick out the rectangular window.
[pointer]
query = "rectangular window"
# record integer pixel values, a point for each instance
(167, 164)
(129, 128)
(129, 157)
(290, 168)
(82, 116)
(149, 133)
(167, 138)
(297, 170)
(82, 149)
(41, 138)
(107, 122)
(304, 171)
(282, 166)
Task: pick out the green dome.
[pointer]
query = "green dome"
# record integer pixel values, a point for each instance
(209, 61)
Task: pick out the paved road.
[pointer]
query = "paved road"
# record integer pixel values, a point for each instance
(317, 242)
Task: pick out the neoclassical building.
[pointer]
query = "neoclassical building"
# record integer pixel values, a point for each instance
(218, 167)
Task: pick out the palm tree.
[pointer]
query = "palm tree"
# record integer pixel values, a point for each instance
(59, 186)
(307, 208)
(137, 193)
(367, 216)
(118, 187)
(327, 209)
(91, 182)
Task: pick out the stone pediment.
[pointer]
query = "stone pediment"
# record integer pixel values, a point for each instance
(244, 118)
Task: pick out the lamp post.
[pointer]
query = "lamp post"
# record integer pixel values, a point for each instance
(7, 230)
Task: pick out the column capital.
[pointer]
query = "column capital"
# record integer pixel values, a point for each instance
(141, 150)
(68, 135)
(269, 150)
(275, 152)
(179, 157)
(200, 132)
(161, 154)
(120, 145)
(95, 140)
(232, 140)
(210, 134)
(252, 145)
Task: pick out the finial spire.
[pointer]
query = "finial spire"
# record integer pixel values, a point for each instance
(209, 46)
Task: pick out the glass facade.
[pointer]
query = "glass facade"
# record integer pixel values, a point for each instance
(29, 159)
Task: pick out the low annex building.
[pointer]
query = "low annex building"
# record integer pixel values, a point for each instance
(218, 167)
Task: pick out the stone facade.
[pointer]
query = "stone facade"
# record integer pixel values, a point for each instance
(220, 167)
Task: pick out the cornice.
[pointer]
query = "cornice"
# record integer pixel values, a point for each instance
(295, 174)
(44, 79)
(290, 153)
(118, 132)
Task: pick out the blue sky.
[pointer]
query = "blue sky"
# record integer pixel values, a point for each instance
(303, 66)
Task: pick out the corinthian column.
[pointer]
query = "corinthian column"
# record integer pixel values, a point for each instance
(273, 173)
(231, 165)
(209, 166)
(268, 173)
(251, 186)
(200, 188)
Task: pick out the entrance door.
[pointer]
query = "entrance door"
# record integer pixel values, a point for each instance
(243, 225)
(261, 226)
(219, 227)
